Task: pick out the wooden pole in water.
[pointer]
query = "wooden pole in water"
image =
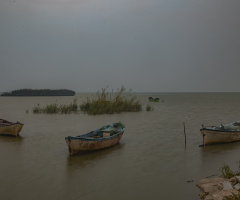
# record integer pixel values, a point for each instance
(184, 132)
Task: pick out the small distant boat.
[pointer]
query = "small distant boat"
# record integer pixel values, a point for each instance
(101, 138)
(221, 134)
(10, 128)
(153, 99)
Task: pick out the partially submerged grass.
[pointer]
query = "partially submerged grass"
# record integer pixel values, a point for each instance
(55, 108)
(103, 103)
(149, 108)
(109, 103)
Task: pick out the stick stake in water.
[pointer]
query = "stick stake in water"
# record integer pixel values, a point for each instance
(184, 132)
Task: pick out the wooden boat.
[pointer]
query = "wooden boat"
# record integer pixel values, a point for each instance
(101, 138)
(153, 99)
(221, 134)
(10, 128)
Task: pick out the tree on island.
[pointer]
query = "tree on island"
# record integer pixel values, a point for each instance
(39, 92)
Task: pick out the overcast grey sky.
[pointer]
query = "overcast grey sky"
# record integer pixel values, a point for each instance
(145, 45)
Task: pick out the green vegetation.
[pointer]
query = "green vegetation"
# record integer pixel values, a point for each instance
(149, 108)
(234, 197)
(41, 92)
(54, 108)
(109, 103)
(226, 172)
(104, 103)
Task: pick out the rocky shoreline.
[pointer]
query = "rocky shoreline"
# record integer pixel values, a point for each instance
(218, 188)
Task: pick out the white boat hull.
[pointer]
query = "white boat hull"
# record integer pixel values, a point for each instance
(76, 146)
(217, 136)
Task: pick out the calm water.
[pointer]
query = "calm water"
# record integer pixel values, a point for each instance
(150, 162)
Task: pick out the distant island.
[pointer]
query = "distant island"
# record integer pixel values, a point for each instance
(40, 92)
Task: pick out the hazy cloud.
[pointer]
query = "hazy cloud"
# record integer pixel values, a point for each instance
(175, 46)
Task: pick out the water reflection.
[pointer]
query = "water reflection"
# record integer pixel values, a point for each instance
(86, 158)
(150, 158)
(214, 156)
(11, 139)
(220, 148)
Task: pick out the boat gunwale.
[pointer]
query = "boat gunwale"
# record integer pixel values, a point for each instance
(81, 137)
(215, 130)
(4, 125)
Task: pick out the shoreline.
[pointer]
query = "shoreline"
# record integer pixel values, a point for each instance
(219, 188)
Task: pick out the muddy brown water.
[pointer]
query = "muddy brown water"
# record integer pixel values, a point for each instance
(151, 161)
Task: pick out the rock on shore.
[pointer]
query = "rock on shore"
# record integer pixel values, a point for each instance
(218, 188)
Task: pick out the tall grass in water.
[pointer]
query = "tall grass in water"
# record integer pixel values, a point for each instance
(109, 103)
(55, 108)
(149, 108)
(226, 172)
(104, 103)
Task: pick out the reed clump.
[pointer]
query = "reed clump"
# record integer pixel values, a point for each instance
(109, 103)
(226, 172)
(55, 108)
(103, 103)
(149, 108)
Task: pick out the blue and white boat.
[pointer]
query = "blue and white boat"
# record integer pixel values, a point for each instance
(101, 138)
(221, 134)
